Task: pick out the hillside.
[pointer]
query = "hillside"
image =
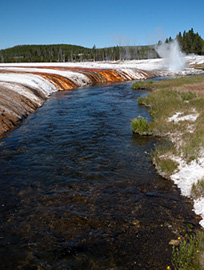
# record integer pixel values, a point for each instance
(73, 53)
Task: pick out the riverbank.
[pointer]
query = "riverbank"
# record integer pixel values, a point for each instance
(24, 87)
(51, 169)
(176, 107)
(177, 114)
(82, 189)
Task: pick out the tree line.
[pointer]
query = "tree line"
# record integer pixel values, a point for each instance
(190, 42)
(72, 53)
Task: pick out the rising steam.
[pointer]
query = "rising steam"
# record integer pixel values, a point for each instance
(174, 58)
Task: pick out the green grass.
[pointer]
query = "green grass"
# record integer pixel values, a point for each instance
(141, 126)
(164, 103)
(168, 166)
(168, 98)
(165, 166)
(187, 95)
(161, 158)
(197, 189)
(140, 101)
(172, 83)
(141, 85)
(189, 255)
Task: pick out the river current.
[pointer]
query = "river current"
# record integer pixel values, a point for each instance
(78, 190)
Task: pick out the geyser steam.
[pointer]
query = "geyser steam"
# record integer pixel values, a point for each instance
(174, 58)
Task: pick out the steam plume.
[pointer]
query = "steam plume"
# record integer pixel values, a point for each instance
(174, 58)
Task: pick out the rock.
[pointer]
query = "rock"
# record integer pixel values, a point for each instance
(174, 242)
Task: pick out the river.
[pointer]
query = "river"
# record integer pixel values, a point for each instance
(78, 190)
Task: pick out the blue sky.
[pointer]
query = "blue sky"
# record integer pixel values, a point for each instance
(100, 23)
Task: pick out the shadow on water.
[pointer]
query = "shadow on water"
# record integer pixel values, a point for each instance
(79, 191)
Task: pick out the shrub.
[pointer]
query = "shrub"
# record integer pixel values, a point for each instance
(141, 126)
(140, 101)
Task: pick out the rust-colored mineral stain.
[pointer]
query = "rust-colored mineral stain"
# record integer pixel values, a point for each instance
(60, 82)
(111, 75)
(95, 76)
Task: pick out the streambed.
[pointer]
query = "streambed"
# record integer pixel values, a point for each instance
(79, 191)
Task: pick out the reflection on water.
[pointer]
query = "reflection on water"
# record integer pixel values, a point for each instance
(78, 190)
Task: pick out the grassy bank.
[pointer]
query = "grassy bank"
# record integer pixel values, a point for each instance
(177, 115)
(177, 110)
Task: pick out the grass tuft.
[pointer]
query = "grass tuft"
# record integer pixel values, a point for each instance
(197, 189)
(187, 95)
(141, 126)
(140, 101)
(143, 85)
(164, 165)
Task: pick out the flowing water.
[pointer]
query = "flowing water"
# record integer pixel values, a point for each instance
(78, 189)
